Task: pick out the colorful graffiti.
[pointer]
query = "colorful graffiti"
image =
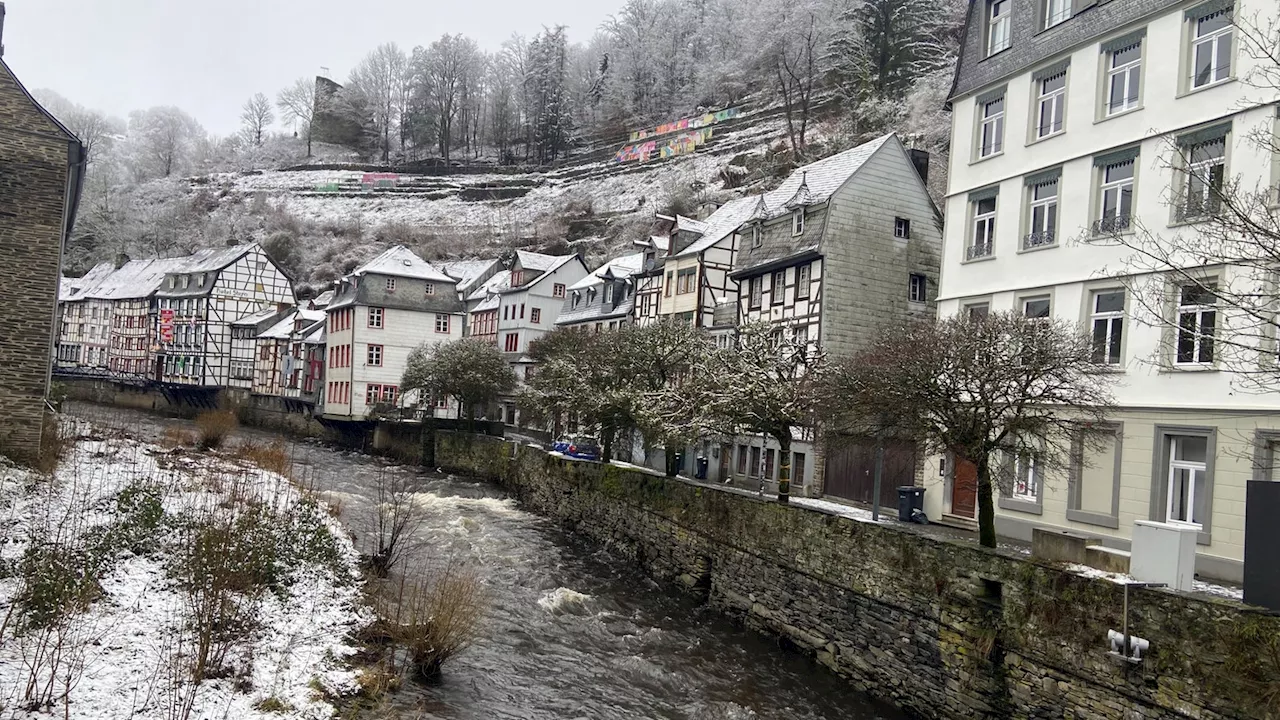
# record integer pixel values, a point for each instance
(681, 144)
(689, 123)
(379, 180)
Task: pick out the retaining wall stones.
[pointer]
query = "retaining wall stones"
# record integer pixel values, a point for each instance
(943, 628)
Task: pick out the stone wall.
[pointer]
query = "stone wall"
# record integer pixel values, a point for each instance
(942, 628)
(34, 171)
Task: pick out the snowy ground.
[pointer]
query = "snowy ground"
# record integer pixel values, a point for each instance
(126, 654)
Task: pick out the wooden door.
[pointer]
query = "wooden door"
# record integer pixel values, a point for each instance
(964, 488)
(850, 472)
(726, 452)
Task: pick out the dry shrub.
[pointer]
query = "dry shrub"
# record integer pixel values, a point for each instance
(56, 440)
(273, 457)
(214, 427)
(174, 437)
(433, 618)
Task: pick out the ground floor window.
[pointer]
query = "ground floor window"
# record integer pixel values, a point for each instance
(742, 459)
(1188, 471)
(797, 467)
(768, 463)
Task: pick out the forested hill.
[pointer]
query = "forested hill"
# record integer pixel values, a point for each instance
(522, 138)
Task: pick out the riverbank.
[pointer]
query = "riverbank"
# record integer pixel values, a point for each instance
(942, 628)
(153, 581)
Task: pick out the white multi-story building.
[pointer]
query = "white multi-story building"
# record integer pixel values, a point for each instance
(605, 298)
(1076, 128)
(378, 315)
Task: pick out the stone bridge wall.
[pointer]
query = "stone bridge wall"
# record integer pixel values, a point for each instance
(942, 628)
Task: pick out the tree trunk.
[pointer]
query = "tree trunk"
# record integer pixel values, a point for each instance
(671, 461)
(606, 452)
(784, 467)
(986, 506)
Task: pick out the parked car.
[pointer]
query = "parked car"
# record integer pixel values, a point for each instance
(580, 447)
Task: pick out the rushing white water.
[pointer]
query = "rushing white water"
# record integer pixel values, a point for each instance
(572, 631)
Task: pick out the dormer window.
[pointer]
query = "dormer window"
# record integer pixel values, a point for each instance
(186, 281)
(591, 295)
(172, 280)
(200, 280)
(431, 289)
(517, 278)
(998, 25)
(391, 284)
(577, 298)
(756, 239)
(797, 221)
(608, 293)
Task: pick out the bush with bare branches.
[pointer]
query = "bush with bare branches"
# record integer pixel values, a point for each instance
(433, 617)
(214, 427)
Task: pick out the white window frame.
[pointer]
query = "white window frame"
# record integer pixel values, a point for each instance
(375, 319)
(1055, 101)
(994, 119)
(1213, 39)
(557, 290)
(917, 288)
(430, 289)
(442, 323)
(985, 221)
(902, 228)
(1118, 223)
(1023, 302)
(1196, 312)
(391, 284)
(373, 355)
(1046, 235)
(1056, 12)
(999, 25)
(757, 238)
(797, 222)
(777, 287)
(1113, 334)
(1026, 477)
(755, 293)
(1193, 468)
(1130, 74)
(804, 278)
(1208, 198)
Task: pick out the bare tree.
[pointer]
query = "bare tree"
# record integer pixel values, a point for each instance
(768, 383)
(396, 518)
(297, 103)
(982, 388)
(256, 117)
(163, 137)
(380, 78)
(795, 62)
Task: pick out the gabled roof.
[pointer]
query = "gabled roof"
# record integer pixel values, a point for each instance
(322, 300)
(400, 261)
(721, 224)
(468, 272)
(537, 261)
(619, 267)
(255, 318)
(213, 259)
(559, 261)
(76, 288)
(136, 279)
(817, 182)
(499, 282)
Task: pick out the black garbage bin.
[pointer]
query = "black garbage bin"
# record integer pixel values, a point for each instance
(700, 468)
(910, 499)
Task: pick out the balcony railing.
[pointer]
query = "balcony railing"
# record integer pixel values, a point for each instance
(978, 250)
(1041, 239)
(1111, 225)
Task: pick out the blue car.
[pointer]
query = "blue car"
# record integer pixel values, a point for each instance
(580, 447)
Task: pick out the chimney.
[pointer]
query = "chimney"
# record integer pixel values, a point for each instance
(920, 158)
(1, 29)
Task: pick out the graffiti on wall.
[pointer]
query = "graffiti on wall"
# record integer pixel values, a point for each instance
(663, 148)
(689, 123)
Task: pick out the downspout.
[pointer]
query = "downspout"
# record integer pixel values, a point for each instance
(77, 159)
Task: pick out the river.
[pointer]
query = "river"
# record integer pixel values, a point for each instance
(571, 631)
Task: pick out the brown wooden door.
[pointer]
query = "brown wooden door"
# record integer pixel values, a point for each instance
(964, 489)
(850, 472)
(726, 452)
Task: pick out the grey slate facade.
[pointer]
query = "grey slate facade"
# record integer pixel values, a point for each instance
(41, 165)
(1031, 44)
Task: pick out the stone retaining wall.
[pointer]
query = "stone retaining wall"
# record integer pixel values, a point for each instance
(942, 628)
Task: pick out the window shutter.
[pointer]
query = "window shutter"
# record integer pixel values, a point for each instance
(1042, 177)
(992, 94)
(1124, 41)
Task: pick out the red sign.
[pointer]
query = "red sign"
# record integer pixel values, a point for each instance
(166, 325)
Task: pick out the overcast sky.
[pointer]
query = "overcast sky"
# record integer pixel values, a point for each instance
(208, 57)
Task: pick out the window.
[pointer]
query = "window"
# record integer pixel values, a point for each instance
(1187, 479)
(372, 393)
(1211, 49)
(1036, 308)
(577, 298)
(1202, 188)
(797, 467)
(391, 284)
(797, 221)
(1052, 104)
(557, 290)
(430, 289)
(685, 281)
(768, 463)
(901, 228)
(1043, 215)
(535, 316)
(917, 288)
(742, 459)
(441, 402)
(671, 281)
(984, 229)
(800, 334)
(375, 317)
(186, 281)
(1107, 308)
(1026, 477)
(1116, 198)
(442, 323)
(998, 25)
(608, 292)
(755, 460)
(991, 129)
(1197, 321)
(803, 280)
(1056, 11)
(517, 278)
(778, 288)
(389, 393)
(511, 343)
(756, 292)
(756, 239)
(1124, 75)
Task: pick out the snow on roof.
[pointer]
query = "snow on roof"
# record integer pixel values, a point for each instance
(255, 318)
(690, 224)
(76, 288)
(538, 261)
(314, 334)
(323, 299)
(400, 261)
(281, 330)
(466, 271)
(654, 241)
(818, 181)
(211, 259)
(136, 279)
(721, 223)
(496, 284)
(619, 267)
(490, 303)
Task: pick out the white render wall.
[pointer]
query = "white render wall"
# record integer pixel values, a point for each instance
(538, 294)
(401, 332)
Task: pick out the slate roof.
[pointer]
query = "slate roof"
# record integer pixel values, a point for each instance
(721, 223)
(135, 279)
(498, 283)
(76, 288)
(619, 267)
(255, 318)
(400, 261)
(559, 260)
(212, 259)
(538, 261)
(323, 299)
(467, 272)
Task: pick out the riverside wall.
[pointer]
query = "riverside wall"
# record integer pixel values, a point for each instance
(942, 628)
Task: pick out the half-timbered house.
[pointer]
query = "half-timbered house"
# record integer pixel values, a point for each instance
(700, 257)
(379, 314)
(244, 345)
(78, 342)
(648, 281)
(604, 299)
(842, 247)
(197, 303)
(281, 364)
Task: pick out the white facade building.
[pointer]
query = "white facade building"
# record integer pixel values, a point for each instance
(1072, 134)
